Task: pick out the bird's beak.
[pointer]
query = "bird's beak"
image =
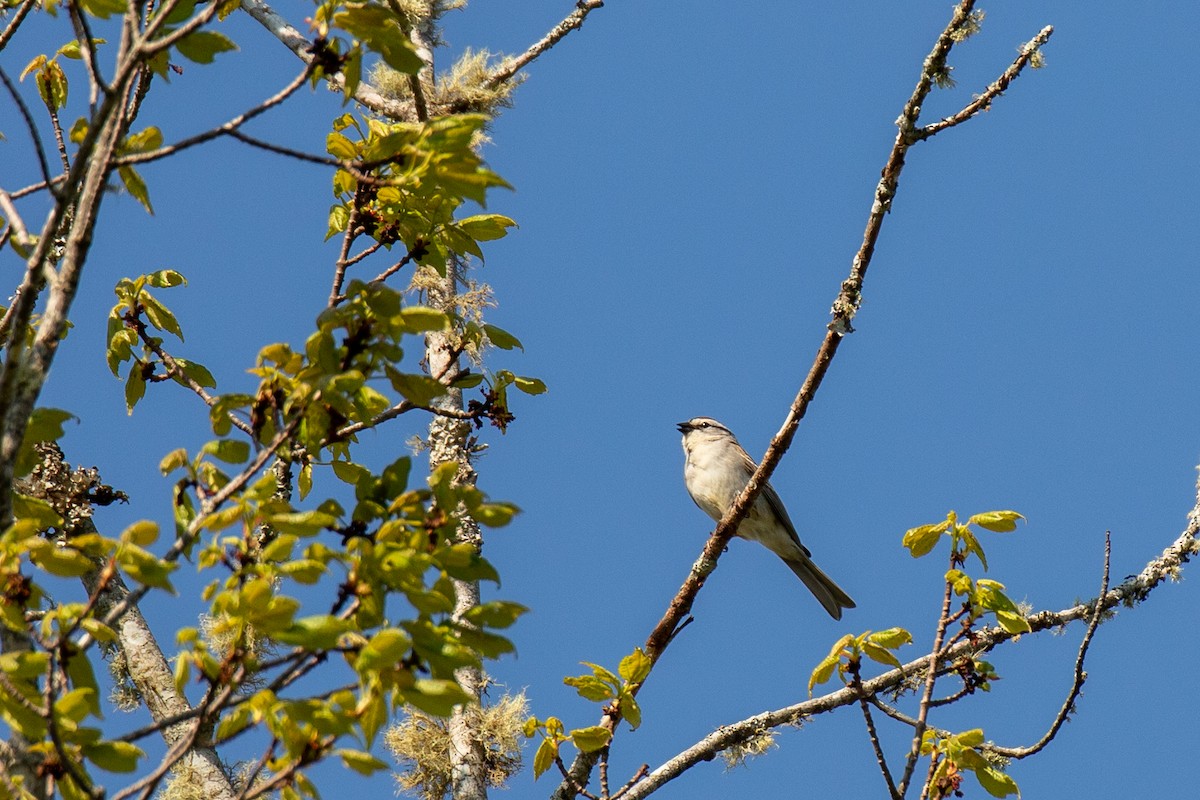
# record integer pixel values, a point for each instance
(683, 427)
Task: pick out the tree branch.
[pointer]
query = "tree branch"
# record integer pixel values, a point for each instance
(295, 41)
(845, 306)
(574, 21)
(1080, 677)
(983, 102)
(1129, 593)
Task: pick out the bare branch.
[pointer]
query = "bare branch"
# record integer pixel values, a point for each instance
(984, 101)
(511, 66)
(222, 130)
(927, 692)
(872, 734)
(1068, 705)
(30, 126)
(14, 23)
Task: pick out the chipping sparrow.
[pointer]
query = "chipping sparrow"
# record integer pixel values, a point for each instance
(716, 471)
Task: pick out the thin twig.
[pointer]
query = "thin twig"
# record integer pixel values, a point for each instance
(872, 734)
(931, 677)
(30, 126)
(295, 41)
(20, 234)
(511, 66)
(984, 101)
(222, 130)
(14, 23)
(1080, 677)
(1130, 592)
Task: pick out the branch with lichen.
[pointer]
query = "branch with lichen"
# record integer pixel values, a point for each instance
(845, 306)
(1166, 567)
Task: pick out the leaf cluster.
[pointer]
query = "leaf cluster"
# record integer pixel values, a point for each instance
(599, 686)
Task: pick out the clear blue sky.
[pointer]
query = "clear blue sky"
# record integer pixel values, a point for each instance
(691, 183)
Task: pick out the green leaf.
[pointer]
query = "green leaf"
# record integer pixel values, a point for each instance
(135, 388)
(197, 372)
(824, 670)
(494, 515)
(1013, 622)
(165, 279)
(995, 782)
(203, 46)
(35, 510)
(173, 461)
(113, 756)
(920, 541)
(591, 739)
(141, 533)
(486, 227)
(160, 316)
(635, 667)
(377, 28)
(143, 141)
(971, 738)
(529, 385)
(44, 425)
(891, 638)
(231, 451)
(74, 50)
(349, 472)
(304, 481)
(360, 762)
(419, 319)
(631, 710)
(419, 390)
(145, 567)
(52, 85)
(301, 523)
(591, 688)
(436, 696)
(880, 654)
(136, 187)
(341, 147)
(544, 758)
(495, 614)
(316, 633)
(502, 338)
(64, 562)
(996, 521)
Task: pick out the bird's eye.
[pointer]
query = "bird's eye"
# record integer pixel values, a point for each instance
(705, 425)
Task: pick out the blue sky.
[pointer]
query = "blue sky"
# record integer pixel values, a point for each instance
(691, 183)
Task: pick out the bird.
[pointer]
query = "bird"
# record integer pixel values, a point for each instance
(716, 470)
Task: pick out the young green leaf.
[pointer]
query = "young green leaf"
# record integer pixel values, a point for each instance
(202, 46)
(997, 521)
(921, 540)
(591, 739)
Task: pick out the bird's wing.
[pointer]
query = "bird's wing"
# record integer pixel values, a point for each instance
(775, 503)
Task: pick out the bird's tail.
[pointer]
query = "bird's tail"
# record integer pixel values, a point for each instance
(828, 593)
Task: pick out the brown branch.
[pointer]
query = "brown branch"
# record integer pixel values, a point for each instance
(303, 48)
(872, 734)
(1129, 593)
(511, 66)
(222, 130)
(983, 102)
(931, 677)
(845, 306)
(14, 23)
(1080, 676)
(30, 126)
